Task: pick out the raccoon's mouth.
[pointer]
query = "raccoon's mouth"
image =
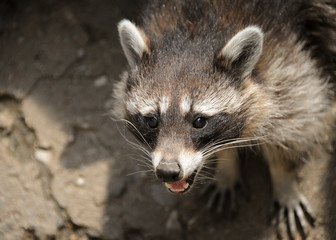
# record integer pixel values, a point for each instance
(183, 185)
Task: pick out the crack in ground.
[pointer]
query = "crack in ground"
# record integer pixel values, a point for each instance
(67, 71)
(67, 228)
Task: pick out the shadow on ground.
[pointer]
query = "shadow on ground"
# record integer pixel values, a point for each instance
(61, 59)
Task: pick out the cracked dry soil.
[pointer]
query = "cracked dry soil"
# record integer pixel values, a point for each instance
(65, 170)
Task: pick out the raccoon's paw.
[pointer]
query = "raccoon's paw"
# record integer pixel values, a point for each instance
(292, 218)
(223, 197)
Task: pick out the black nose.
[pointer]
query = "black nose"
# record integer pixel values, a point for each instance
(168, 171)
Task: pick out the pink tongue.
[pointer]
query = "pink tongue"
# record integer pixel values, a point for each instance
(177, 185)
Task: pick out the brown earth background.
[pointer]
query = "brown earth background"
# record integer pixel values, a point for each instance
(65, 170)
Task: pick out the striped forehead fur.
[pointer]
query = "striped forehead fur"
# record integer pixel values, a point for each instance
(218, 100)
(185, 105)
(149, 105)
(164, 103)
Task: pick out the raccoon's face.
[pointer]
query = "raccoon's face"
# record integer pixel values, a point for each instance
(185, 111)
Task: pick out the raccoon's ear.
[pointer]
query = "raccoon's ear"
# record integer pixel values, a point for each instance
(242, 52)
(133, 42)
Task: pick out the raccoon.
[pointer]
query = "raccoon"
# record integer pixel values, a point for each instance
(208, 77)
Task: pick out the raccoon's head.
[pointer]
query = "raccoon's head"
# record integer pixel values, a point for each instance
(183, 101)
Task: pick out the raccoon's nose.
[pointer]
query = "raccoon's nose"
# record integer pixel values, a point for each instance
(169, 171)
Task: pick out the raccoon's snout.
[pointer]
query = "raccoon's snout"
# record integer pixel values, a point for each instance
(169, 171)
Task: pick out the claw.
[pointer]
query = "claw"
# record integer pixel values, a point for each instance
(301, 222)
(292, 221)
(273, 218)
(291, 225)
(307, 211)
(221, 198)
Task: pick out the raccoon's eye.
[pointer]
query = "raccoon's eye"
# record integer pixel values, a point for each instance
(200, 122)
(152, 122)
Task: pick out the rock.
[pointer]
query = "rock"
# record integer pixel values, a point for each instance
(100, 81)
(82, 192)
(80, 181)
(7, 119)
(43, 156)
(23, 203)
(50, 133)
(93, 234)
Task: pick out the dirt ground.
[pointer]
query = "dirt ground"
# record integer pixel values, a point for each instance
(65, 170)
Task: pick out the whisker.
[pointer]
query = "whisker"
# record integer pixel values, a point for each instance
(141, 158)
(221, 148)
(232, 140)
(135, 145)
(237, 142)
(208, 167)
(145, 166)
(139, 133)
(138, 172)
(205, 178)
(220, 144)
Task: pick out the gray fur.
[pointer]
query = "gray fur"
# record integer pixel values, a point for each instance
(132, 42)
(246, 44)
(260, 77)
